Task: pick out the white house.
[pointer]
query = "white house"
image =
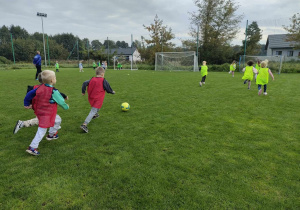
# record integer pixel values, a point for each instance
(126, 52)
(277, 45)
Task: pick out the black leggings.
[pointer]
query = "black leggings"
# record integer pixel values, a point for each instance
(265, 88)
(203, 78)
(38, 70)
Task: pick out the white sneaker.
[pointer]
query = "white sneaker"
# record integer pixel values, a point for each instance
(259, 92)
(203, 83)
(200, 83)
(229, 72)
(265, 93)
(18, 126)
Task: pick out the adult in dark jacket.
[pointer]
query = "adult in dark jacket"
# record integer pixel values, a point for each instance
(37, 61)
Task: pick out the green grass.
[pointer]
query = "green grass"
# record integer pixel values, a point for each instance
(180, 146)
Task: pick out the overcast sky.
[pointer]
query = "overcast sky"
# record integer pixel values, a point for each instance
(118, 19)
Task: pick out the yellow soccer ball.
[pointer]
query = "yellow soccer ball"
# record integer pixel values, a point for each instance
(125, 106)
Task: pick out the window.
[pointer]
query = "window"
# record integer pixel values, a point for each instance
(278, 53)
(290, 53)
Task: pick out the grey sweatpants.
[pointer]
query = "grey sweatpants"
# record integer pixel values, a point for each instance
(91, 115)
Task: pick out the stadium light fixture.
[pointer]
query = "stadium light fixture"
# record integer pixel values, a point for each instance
(43, 15)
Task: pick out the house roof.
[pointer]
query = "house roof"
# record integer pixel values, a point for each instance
(121, 51)
(278, 41)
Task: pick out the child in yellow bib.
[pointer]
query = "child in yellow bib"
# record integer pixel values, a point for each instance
(248, 73)
(257, 66)
(203, 70)
(263, 77)
(232, 68)
(57, 66)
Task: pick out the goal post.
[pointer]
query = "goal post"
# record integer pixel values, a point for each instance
(274, 62)
(123, 62)
(176, 61)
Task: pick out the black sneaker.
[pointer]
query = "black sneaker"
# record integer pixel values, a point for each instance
(245, 82)
(84, 128)
(96, 116)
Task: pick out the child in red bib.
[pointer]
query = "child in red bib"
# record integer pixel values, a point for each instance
(34, 121)
(44, 103)
(96, 93)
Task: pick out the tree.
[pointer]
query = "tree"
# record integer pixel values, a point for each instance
(137, 44)
(160, 37)
(96, 45)
(109, 44)
(37, 36)
(294, 30)
(86, 44)
(253, 37)
(4, 35)
(67, 40)
(218, 26)
(121, 44)
(57, 51)
(18, 32)
(24, 49)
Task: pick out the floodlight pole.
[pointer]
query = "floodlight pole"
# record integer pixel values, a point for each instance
(43, 15)
(197, 41)
(88, 52)
(245, 42)
(132, 52)
(107, 52)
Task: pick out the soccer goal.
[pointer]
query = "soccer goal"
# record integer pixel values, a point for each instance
(274, 62)
(122, 62)
(176, 61)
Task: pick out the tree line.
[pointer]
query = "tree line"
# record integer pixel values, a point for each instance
(61, 46)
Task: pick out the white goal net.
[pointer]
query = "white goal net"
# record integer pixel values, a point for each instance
(176, 61)
(274, 62)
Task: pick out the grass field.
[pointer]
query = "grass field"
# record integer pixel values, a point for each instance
(180, 146)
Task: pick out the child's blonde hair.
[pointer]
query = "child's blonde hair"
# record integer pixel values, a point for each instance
(47, 76)
(264, 63)
(100, 70)
(204, 62)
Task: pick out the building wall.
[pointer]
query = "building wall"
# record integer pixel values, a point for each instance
(137, 56)
(284, 52)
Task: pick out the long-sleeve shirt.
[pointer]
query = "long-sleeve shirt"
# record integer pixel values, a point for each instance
(37, 60)
(56, 98)
(29, 88)
(106, 86)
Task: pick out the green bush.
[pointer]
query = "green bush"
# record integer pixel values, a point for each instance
(142, 66)
(219, 68)
(290, 67)
(4, 60)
